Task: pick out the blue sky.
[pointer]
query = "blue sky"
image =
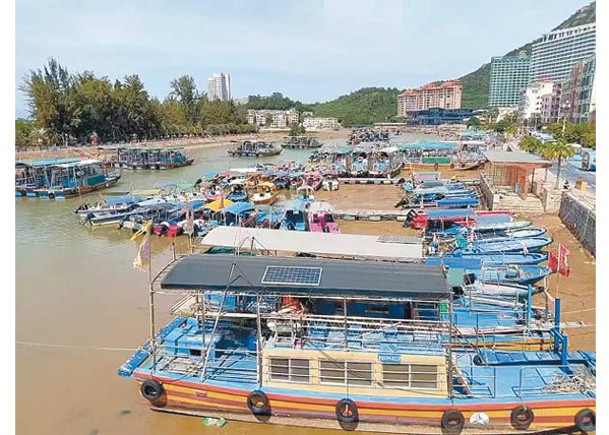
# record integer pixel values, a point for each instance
(312, 50)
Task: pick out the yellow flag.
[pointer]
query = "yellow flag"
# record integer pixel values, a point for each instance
(143, 253)
(145, 229)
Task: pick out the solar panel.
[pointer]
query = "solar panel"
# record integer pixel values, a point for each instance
(292, 275)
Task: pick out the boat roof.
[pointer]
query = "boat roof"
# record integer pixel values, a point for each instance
(312, 277)
(296, 205)
(47, 162)
(347, 245)
(126, 199)
(218, 204)
(429, 146)
(507, 157)
(318, 206)
(237, 208)
(79, 163)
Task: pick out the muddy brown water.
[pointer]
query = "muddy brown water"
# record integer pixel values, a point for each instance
(77, 291)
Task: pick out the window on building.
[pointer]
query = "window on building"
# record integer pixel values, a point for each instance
(419, 376)
(289, 369)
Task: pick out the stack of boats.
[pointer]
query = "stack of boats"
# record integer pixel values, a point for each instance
(363, 161)
(425, 190)
(387, 345)
(150, 158)
(255, 148)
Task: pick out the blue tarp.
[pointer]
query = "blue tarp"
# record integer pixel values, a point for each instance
(443, 214)
(239, 208)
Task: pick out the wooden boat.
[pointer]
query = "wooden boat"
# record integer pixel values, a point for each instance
(330, 184)
(531, 244)
(385, 163)
(320, 218)
(265, 194)
(237, 191)
(301, 142)
(159, 158)
(511, 274)
(62, 178)
(305, 193)
(313, 180)
(343, 344)
(255, 149)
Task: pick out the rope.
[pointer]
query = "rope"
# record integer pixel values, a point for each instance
(70, 346)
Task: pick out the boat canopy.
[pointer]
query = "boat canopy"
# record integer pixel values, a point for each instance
(127, 199)
(429, 146)
(296, 205)
(218, 204)
(347, 245)
(238, 208)
(52, 162)
(310, 277)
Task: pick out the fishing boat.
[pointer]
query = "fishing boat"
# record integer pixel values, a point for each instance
(330, 184)
(521, 233)
(301, 142)
(511, 274)
(249, 148)
(313, 179)
(489, 225)
(62, 178)
(320, 218)
(469, 285)
(343, 345)
(295, 215)
(385, 163)
(473, 261)
(237, 190)
(240, 214)
(108, 211)
(524, 245)
(305, 193)
(265, 194)
(359, 163)
(159, 158)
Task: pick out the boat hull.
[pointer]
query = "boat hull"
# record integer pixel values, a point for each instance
(200, 399)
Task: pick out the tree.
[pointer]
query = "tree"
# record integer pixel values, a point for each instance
(586, 133)
(24, 132)
(530, 144)
(474, 122)
(184, 90)
(558, 150)
(297, 130)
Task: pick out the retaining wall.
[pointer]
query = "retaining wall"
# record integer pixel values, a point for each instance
(579, 216)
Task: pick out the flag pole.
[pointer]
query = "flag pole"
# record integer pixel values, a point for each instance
(151, 297)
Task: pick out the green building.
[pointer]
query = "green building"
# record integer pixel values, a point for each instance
(509, 77)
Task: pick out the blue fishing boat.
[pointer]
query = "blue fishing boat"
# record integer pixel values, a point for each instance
(237, 190)
(345, 344)
(295, 215)
(477, 261)
(521, 233)
(239, 214)
(531, 244)
(511, 274)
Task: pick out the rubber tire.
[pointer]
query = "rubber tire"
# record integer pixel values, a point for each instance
(449, 418)
(518, 423)
(253, 400)
(452, 166)
(435, 166)
(583, 426)
(151, 390)
(354, 417)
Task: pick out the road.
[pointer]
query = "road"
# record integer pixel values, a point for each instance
(572, 172)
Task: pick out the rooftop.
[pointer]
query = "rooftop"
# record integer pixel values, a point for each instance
(507, 157)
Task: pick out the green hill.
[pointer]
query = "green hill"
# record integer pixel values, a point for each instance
(476, 84)
(364, 106)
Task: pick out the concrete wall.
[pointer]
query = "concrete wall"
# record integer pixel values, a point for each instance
(580, 217)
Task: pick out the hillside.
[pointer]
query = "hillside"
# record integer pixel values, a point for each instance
(364, 106)
(476, 84)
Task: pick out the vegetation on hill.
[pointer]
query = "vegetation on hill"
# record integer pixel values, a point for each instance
(276, 101)
(364, 106)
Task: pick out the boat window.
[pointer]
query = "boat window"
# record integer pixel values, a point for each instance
(294, 370)
(420, 376)
(339, 372)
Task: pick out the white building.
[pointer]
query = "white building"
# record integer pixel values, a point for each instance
(532, 99)
(557, 52)
(218, 87)
(316, 123)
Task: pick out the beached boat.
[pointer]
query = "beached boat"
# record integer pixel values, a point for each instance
(330, 184)
(511, 274)
(343, 345)
(62, 178)
(249, 148)
(265, 194)
(473, 261)
(305, 193)
(295, 215)
(237, 190)
(320, 218)
(313, 179)
(524, 245)
(385, 163)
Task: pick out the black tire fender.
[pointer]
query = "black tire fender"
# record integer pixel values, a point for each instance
(152, 390)
(585, 420)
(522, 417)
(258, 403)
(452, 422)
(435, 166)
(346, 411)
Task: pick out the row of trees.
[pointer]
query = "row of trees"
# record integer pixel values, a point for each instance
(74, 107)
(559, 150)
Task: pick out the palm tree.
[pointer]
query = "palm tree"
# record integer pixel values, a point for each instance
(530, 144)
(557, 151)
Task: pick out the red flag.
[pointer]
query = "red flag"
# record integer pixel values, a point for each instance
(553, 261)
(471, 235)
(563, 266)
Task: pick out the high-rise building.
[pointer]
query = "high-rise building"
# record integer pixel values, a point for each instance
(557, 52)
(577, 99)
(445, 95)
(509, 76)
(550, 104)
(218, 87)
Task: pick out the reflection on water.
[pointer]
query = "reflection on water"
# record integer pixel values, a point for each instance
(76, 285)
